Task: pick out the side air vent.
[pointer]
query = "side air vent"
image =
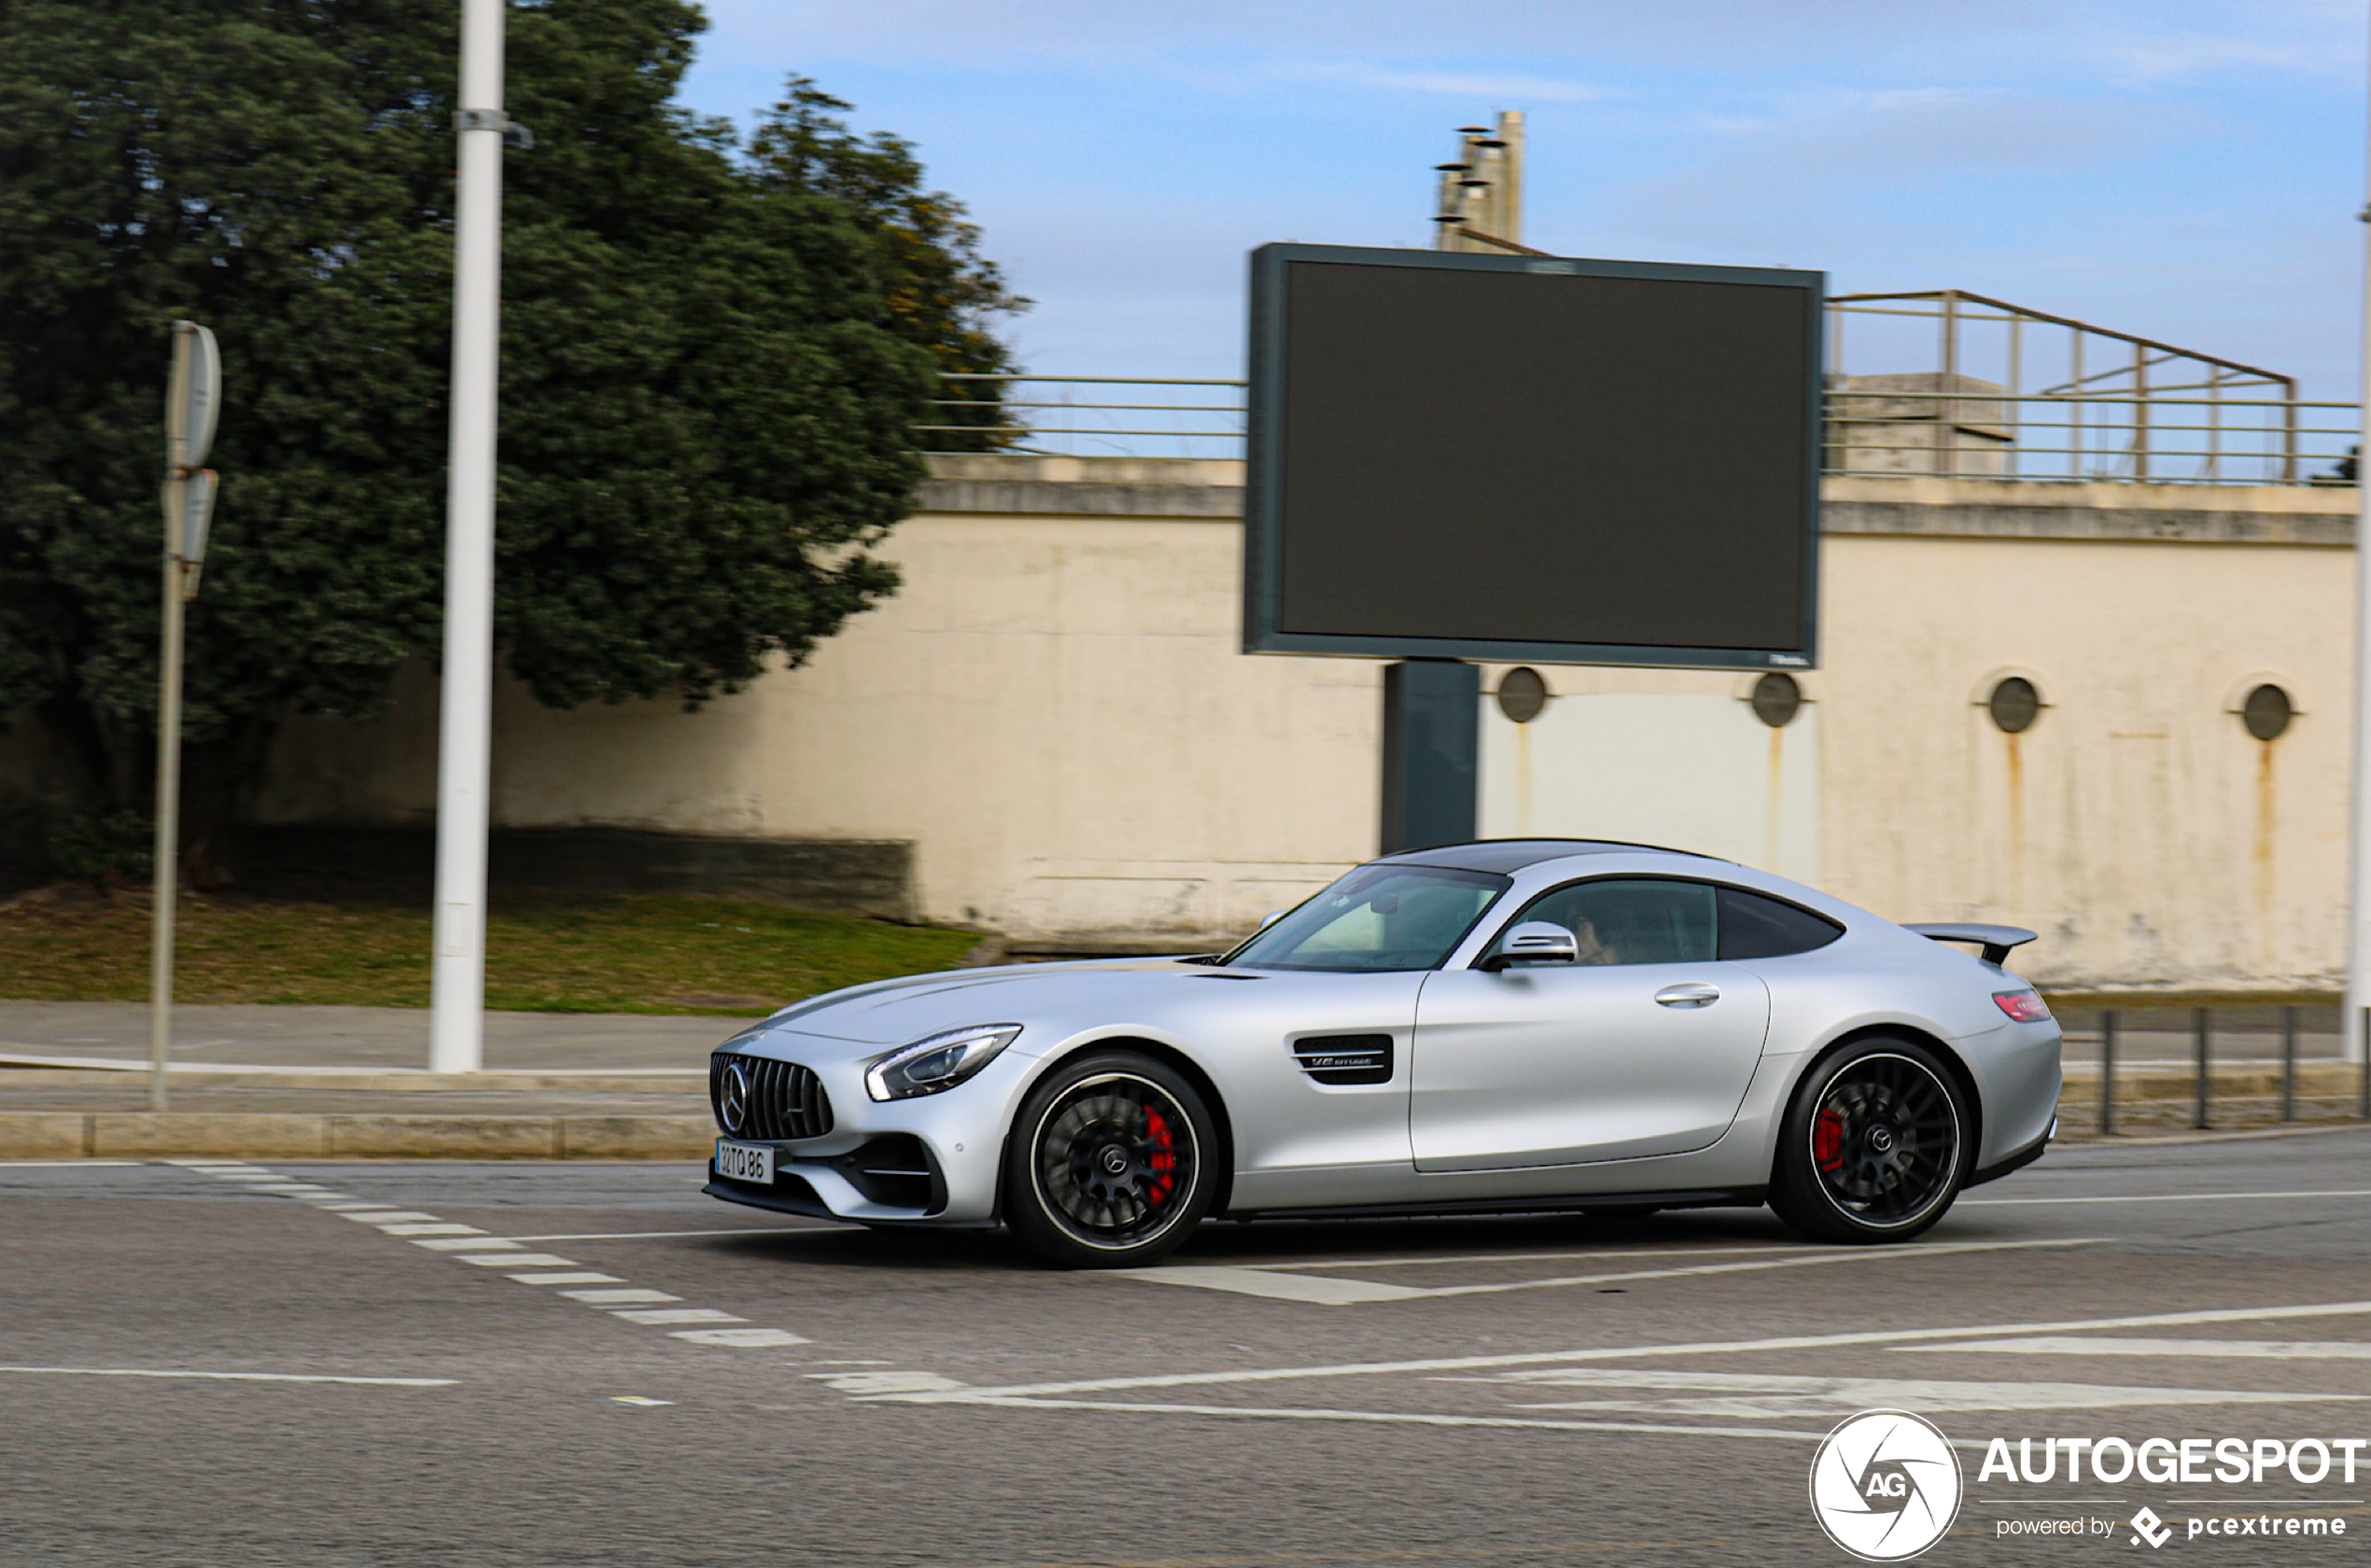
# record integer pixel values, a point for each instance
(1345, 1058)
(760, 1097)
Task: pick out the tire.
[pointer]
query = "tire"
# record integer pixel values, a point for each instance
(1875, 1146)
(1109, 1163)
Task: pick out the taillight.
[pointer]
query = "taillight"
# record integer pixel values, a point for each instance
(2026, 1007)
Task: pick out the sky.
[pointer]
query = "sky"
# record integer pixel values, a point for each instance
(2186, 170)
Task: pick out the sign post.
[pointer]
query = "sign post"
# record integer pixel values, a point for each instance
(192, 402)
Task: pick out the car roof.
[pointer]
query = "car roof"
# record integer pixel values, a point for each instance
(1506, 855)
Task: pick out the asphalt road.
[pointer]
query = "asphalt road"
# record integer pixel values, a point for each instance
(239, 1365)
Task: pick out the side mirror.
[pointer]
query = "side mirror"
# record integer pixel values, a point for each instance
(1534, 942)
(1271, 917)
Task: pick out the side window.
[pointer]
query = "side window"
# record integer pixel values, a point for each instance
(1755, 927)
(1625, 920)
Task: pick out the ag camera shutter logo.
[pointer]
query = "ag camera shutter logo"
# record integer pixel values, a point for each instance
(1886, 1485)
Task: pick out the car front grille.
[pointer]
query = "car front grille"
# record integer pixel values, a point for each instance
(778, 1099)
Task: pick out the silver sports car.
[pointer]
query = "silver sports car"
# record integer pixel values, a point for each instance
(1536, 1024)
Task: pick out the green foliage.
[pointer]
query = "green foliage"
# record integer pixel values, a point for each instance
(712, 355)
(94, 848)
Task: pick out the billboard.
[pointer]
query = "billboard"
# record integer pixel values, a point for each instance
(1532, 458)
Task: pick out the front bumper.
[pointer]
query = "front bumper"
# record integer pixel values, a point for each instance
(893, 1176)
(935, 1158)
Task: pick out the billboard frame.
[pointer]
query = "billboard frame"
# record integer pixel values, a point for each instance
(1263, 466)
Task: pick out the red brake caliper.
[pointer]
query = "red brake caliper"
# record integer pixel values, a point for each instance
(1162, 1162)
(1827, 1140)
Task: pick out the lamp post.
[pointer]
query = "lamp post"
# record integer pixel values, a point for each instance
(457, 1020)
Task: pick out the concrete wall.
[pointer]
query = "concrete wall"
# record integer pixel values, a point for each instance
(1054, 710)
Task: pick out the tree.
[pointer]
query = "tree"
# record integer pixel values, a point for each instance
(713, 356)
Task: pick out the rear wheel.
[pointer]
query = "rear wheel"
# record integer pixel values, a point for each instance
(1108, 1163)
(1875, 1147)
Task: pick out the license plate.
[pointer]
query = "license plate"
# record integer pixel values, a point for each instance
(745, 1162)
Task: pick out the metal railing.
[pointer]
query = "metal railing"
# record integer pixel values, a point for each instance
(2248, 1086)
(2109, 406)
(1056, 420)
(1972, 431)
(2132, 411)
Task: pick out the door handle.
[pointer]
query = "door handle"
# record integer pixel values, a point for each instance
(1691, 993)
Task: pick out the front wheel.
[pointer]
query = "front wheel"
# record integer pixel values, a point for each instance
(1875, 1145)
(1108, 1166)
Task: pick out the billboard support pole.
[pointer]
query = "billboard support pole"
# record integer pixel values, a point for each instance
(1432, 738)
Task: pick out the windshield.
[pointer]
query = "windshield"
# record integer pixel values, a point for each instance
(1378, 917)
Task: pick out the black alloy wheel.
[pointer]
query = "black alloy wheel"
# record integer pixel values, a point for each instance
(1875, 1147)
(1108, 1165)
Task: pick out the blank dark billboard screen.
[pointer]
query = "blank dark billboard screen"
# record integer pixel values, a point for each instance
(1507, 458)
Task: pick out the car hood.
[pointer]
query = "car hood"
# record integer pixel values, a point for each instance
(892, 1011)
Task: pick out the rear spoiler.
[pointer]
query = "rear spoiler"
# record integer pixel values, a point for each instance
(1996, 941)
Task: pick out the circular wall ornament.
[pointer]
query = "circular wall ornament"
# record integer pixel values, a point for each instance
(2014, 704)
(1777, 698)
(2267, 712)
(1521, 694)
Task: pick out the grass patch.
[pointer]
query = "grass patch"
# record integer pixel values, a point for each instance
(589, 953)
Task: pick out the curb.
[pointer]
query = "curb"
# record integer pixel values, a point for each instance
(355, 1080)
(153, 1134)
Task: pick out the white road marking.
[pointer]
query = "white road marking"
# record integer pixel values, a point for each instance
(1389, 1418)
(208, 1164)
(243, 1175)
(1757, 1395)
(745, 1338)
(230, 1377)
(886, 1382)
(2156, 1198)
(1280, 1287)
(2187, 1350)
(471, 1245)
(1340, 1292)
(1442, 1259)
(1635, 1352)
(637, 1399)
(655, 1235)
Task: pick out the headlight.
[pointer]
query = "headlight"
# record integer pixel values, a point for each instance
(941, 1062)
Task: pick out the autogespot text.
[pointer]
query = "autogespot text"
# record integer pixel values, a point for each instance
(2174, 1461)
